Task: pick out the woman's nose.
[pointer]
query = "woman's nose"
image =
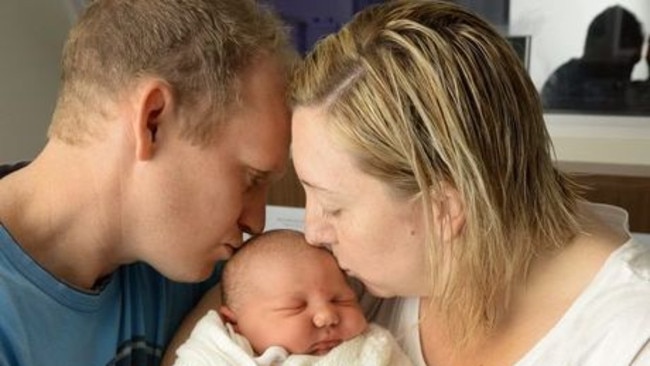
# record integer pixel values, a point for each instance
(317, 231)
(326, 316)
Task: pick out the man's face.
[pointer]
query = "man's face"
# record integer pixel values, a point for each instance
(194, 202)
(304, 305)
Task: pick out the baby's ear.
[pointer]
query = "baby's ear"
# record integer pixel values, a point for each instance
(228, 315)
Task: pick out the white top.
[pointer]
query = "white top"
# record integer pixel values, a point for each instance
(608, 324)
(215, 343)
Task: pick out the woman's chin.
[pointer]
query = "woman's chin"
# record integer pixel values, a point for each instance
(378, 291)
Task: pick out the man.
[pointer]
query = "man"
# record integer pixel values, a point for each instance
(170, 124)
(600, 79)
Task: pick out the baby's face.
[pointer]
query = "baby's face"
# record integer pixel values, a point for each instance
(305, 306)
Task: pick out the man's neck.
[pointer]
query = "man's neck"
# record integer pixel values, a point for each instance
(54, 209)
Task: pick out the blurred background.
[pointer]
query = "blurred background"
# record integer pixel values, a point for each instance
(606, 148)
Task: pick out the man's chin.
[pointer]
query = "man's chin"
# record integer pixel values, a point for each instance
(194, 275)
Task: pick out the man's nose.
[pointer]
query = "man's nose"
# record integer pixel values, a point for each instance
(253, 215)
(325, 316)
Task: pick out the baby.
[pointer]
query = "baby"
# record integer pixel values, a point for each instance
(287, 303)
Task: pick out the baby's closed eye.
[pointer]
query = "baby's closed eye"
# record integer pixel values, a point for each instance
(291, 308)
(345, 301)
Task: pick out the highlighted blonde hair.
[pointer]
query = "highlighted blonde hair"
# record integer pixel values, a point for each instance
(199, 47)
(423, 93)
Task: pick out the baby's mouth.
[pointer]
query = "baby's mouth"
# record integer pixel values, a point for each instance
(323, 347)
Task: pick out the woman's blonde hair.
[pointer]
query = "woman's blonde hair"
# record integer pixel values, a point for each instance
(199, 47)
(423, 93)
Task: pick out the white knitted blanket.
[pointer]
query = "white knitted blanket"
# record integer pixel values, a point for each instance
(214, 343)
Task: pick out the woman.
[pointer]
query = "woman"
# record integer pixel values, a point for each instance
(419, 139)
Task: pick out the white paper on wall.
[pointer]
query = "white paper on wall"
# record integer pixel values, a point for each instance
(283, 217)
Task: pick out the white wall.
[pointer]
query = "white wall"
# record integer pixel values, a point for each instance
(283, 217)
(32, 33)
(601, 144)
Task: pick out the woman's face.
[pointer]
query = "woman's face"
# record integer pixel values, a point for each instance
(376, 236)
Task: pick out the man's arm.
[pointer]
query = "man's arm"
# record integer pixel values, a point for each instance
(210, 301)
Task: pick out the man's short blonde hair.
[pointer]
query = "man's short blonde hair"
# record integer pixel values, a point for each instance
(199, 47)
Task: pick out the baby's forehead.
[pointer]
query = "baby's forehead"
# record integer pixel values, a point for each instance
(275, 251)
(297, 280)
(296, 271)
(280, 246)
(290, 263)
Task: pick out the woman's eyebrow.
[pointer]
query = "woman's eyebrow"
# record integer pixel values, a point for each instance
(315, 186)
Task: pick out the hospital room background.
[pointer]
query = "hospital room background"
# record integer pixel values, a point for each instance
(606, 149)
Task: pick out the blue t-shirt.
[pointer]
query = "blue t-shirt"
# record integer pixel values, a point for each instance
(44, 321)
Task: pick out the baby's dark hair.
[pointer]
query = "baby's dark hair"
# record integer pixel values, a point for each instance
(258, 250)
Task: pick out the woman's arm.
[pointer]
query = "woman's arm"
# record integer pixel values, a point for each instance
(210, 301)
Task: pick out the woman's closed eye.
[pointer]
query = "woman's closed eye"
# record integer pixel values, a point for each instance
(331, 212)
(256, 179)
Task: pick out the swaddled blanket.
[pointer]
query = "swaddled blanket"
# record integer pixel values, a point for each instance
(214, 343)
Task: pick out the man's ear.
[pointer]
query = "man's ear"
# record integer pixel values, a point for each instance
(155, 104)
(448, 211)
(228, 316)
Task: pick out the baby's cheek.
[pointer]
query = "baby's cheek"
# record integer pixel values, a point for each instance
(358, 324)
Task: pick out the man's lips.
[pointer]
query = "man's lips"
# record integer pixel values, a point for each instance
(322, 347)
(231, 248)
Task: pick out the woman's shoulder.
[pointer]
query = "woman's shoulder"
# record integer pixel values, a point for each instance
(620, 291)
(609, 323)
(630, 261)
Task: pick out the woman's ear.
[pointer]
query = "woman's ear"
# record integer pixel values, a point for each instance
(154, 104)
(448, 211)
(228, 316)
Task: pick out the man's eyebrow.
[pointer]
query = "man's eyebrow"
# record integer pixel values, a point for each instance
(262, 174)
(268, 174)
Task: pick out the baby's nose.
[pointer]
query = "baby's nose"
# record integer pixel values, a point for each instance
(326, 316)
